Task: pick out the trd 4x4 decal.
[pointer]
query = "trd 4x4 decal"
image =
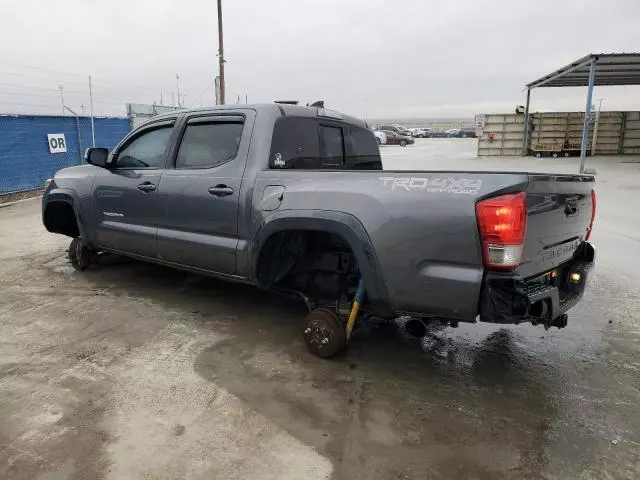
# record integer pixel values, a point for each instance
(465, 186)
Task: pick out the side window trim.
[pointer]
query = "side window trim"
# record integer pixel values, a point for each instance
(222, 118)
(137, 134)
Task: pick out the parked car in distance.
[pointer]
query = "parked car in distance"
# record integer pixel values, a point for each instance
(419, 132)
(381, 137)
(468, 133)
(394, 138)
(436, 134)
(453, 132)
(396, 128)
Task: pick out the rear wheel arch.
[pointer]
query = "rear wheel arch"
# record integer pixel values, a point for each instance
(340, 224)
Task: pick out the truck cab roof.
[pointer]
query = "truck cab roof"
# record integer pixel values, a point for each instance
(275, 109)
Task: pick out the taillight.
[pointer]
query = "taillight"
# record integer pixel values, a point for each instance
(502, 222)
(593, 214)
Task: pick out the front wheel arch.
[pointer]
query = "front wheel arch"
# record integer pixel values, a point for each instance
(59, 217)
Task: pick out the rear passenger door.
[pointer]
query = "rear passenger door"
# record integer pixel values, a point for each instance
(199, 191)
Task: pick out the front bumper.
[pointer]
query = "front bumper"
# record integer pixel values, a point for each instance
(544, 299)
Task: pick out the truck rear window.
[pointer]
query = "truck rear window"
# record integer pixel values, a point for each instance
(312, 144)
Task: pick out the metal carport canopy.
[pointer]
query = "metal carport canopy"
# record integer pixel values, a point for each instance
(608, 69)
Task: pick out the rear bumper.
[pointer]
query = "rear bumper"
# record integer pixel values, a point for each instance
(508, 298)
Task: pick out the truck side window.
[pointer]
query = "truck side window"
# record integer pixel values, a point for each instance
(146, 150)
(332, 147)
(362, 152)
(295, 143)
(209, 144)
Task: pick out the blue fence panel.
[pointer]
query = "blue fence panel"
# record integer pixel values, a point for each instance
(25, 159)
(109, 131)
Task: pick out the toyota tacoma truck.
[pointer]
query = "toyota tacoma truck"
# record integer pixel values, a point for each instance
(294, 200)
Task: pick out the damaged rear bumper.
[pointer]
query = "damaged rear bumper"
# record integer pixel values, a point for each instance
(544, 299)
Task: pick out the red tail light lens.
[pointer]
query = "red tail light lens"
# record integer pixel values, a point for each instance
(593, 214)
(502, 222)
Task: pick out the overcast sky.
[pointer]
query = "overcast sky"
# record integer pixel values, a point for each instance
(382, 58)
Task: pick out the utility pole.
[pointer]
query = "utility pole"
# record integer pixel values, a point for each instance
(246, 98)
(220, 52)
(178, 88)
(161, 102)
(61, 98)
(93, 128)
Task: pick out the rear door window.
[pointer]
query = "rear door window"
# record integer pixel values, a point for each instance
(206, 145)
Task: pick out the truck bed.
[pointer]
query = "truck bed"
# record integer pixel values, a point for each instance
(423, 228)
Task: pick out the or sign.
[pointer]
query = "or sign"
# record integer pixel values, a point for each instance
(57, 143)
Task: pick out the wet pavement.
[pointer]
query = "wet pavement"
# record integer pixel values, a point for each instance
(137, 371)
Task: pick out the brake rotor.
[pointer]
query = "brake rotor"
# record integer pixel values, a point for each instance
(324, 333)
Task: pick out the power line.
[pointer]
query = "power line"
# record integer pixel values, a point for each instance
(203, 92)
(17, 74)
(74, 82)
(61, 72)
(104, 89)
(13, 94)
(35, 87)
(101, 92)
(98, 88)
(105, 100)
(31, 67)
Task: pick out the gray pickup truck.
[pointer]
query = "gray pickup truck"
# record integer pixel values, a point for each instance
(294, 200)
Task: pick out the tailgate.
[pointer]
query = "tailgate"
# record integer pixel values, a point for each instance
(558, 214)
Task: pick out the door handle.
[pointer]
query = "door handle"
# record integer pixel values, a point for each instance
(220, 190)
(146, 187)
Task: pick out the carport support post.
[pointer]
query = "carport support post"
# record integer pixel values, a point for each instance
(525, 140)
(587, 114)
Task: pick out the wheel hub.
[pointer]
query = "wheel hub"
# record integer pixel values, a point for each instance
(324, 333)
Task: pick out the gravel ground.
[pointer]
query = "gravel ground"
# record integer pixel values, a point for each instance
(14, 197)
(130, 371)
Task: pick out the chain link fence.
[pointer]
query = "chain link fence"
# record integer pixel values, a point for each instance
(34, 147)
(141, 112)
(45, 119)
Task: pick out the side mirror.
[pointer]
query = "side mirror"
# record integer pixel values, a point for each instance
(97, 156)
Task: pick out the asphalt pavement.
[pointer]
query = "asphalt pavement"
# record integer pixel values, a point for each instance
(130, 371)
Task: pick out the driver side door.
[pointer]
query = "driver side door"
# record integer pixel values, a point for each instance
(124, 207)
